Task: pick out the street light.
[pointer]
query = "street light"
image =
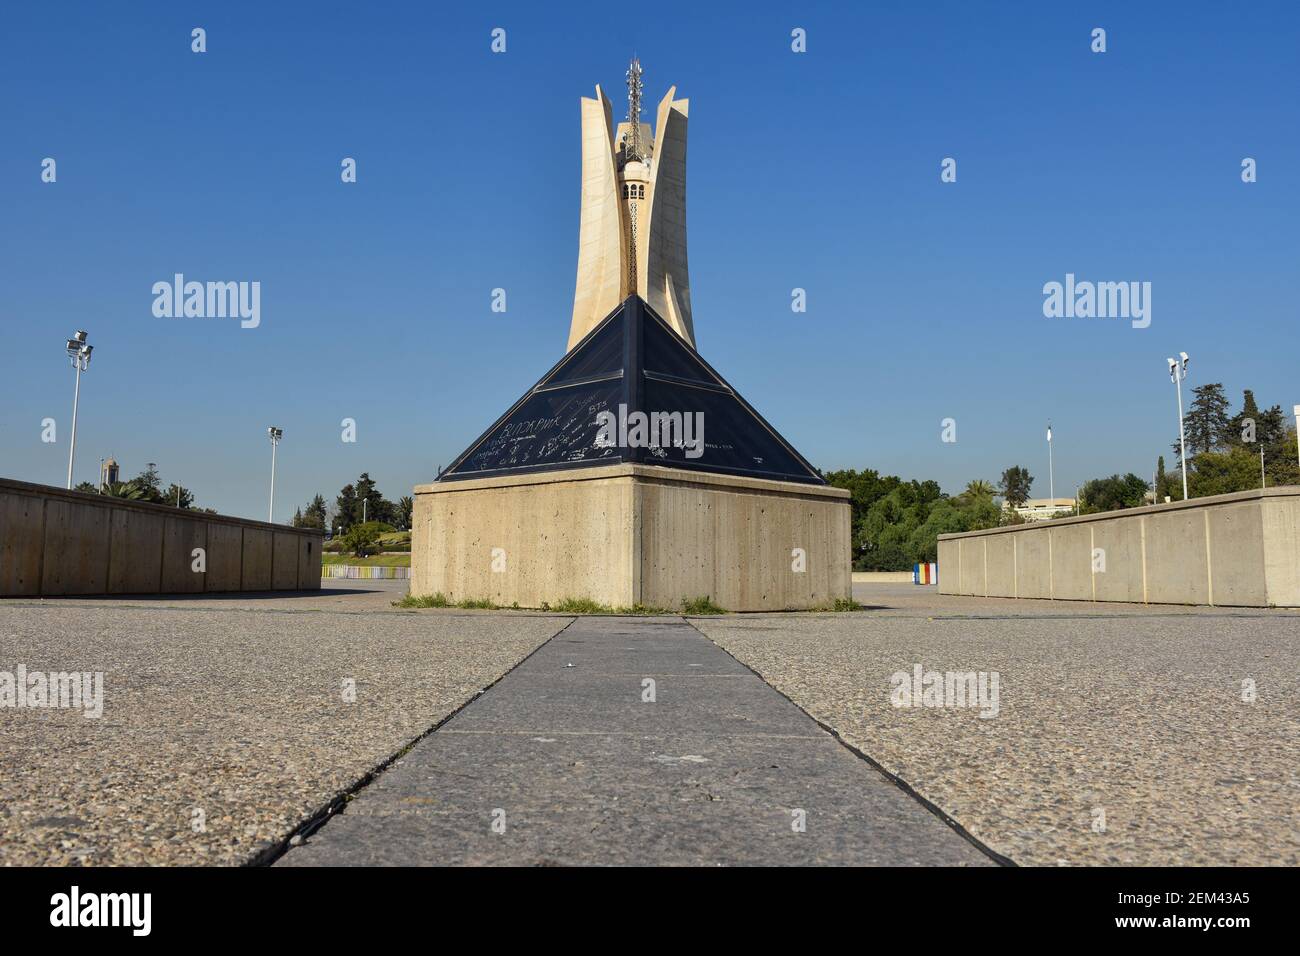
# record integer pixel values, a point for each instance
(79, 355)
(1178, 372)
(275, 434)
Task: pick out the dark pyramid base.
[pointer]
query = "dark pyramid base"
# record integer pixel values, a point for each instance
(634, 360)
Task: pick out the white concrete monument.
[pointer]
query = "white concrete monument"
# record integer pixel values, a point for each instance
(632, 232)
(632, 473)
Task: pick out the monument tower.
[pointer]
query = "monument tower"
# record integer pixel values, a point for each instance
(632, 473)
(632, 229)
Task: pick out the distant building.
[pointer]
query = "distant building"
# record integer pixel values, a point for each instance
(108, 474)
(1036, 509)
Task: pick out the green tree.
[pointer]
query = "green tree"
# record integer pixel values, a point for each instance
(361, 540)
(405, 511)
(1164, 483)
(1206, 423)
(178, 496)
(127, 490)
(1113, 493)
(347, 508)
(1272, 427)
(1244, 426)
(979, 488)
(1016, 482)
(313, 516)
(87, 486)
(369, 503)
(1284, 470)
(1219, 473)
(315, 512)
(150, 484)
(896, 523)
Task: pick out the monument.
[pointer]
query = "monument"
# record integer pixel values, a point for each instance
(632, 473)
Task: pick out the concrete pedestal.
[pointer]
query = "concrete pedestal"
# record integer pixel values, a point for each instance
(632, 534)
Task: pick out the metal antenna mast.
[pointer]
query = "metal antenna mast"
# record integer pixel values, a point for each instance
(635, 149)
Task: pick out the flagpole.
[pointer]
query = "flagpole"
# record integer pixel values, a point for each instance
(1051, 474)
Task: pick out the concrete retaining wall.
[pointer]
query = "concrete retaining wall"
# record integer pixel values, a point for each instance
(631, 534)
(55, 542)
(1240, 550)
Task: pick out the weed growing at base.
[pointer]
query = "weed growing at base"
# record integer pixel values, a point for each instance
(839, 604)
(698, 606)
(702, 605)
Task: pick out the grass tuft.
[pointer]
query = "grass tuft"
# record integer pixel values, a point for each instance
(424, 600)
(588, 606)
(441, 600)
(839, 604)
(642, 610)
(701, 605)
(569, 605)
(580, 606)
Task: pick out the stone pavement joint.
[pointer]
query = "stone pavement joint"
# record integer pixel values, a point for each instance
(318, 819)
(898, 781)
(565, 761)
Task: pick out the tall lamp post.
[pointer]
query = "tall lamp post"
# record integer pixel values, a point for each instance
(275, 434)
(79, 355)
(1178, 372)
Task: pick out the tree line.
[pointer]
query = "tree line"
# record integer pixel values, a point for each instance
(1230, 452)
(146, 486)
(356, 502)
(897, 523)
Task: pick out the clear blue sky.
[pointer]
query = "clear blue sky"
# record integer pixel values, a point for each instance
(816, 170)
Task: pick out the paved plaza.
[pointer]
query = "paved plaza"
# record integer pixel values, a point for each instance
(1118, 734)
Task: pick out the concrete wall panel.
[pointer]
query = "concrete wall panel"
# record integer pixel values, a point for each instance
(284, 561)
(1177, 564)
(540, 542)
(1000, 564)
(54, 541)
(180, 537)
(1281, 529)
(949, 566)
(22, 518)
(1033, 563)
(1071, 562)
(738, 547)
(971, 559)
(1120, 541)
(1237, 548)
(225, 551)
(256, 573)
(76, 548)
(309, 564)
(135, 552)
